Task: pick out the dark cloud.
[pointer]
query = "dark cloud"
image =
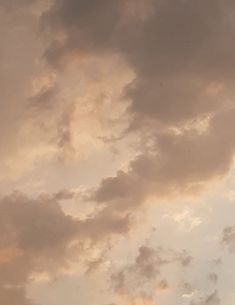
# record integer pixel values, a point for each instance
(176, 52)
(180, 52)
(103, 224)
(44, 98)
(15, 4)
(35, 232)
(13, 296)
(86, 27)
(37, 236)
(180, 101)
(147, 262)
(146, 273)
(20, 53)
(228, 238)
(181, 164)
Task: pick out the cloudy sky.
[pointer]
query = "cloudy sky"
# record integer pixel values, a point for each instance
(117, 178)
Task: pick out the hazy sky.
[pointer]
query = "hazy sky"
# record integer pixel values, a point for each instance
(117, 149)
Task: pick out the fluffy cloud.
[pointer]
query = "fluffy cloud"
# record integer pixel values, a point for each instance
(176, 51)
(178, 164)
(162, 71)
(37, 237)
(180, 100)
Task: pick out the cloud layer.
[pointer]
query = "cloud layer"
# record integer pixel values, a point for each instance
(147, 83)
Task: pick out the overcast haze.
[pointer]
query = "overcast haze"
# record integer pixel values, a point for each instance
(117, 181)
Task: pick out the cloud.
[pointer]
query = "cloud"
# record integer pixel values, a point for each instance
(38, 237)
(15, 4)
(21, 136)
(213, 277)
(84, 27)
(180, 98)
(35, 237)
(172, 80)
(176, 51)
(162, 286)
(177, 83)
(177, 78)
(147, 274)
(212, 299)
(178, 164)
(228, 238)
(13, 296)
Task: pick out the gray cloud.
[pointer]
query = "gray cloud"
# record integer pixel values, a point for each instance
(228, 238)
(176, 52)
(14, 296)
(212, 299)
(86, 26)
(181, 164)
(213, 277)
(37, 237)
(180, 53)
(15, 4)
(146, 273)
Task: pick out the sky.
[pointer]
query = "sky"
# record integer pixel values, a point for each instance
(117, 178)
